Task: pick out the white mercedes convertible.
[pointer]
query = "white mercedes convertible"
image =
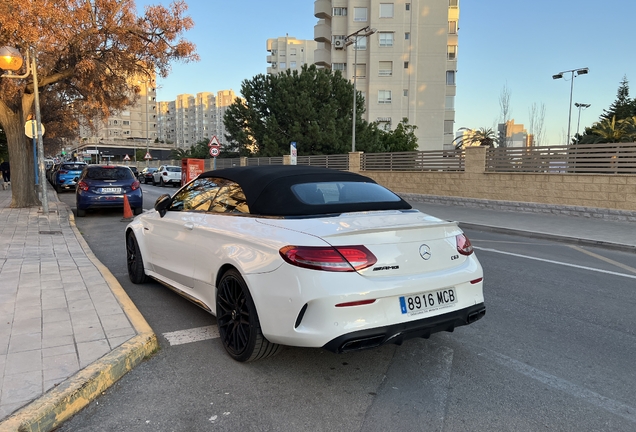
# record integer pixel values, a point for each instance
(306, 257)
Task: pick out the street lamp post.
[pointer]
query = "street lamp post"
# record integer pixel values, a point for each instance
(575, 73)
(11, 60)
(580, 106)
(353, 39)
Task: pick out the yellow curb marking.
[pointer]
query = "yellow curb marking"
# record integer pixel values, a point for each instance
(607, 260)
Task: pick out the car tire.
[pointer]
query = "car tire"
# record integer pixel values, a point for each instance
(154, 183)
(58, 189)
(81, 212)
(239, 327)
(175, 185)
(134, 261)
(161, 183)
(138, 211)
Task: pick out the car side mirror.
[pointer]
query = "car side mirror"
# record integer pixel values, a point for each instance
(162, 204)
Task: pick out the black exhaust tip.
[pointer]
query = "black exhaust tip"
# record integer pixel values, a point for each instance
(474, 316)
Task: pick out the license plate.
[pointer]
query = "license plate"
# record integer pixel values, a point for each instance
(111, 190)
(428, 301)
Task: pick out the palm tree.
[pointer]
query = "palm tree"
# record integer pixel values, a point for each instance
(480, 137)
(609, 131)
(179, 153)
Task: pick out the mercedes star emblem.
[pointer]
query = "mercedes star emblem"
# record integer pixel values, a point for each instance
(425, 252)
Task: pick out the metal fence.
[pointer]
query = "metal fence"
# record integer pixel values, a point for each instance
(339, 162)
(265, 161)
(616, 158)
(227, 162)
(440, 160)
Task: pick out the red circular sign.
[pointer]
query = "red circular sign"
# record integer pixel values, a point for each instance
(214, 151)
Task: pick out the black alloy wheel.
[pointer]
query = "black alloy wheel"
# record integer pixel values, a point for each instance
(239, 327)
(134, 261)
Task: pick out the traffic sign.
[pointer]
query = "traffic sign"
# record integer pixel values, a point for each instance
(31, 128)
(148, 156)
(214, 151)
(126, 158)
(214, 142)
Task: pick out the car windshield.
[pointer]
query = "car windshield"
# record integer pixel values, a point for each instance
(109, 173)
(173, 169)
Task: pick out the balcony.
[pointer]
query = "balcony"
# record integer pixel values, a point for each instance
(322, 9)
(322, 57)
(322, 32)
(271, 59)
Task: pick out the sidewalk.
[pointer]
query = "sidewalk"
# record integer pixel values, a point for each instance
(67, 329)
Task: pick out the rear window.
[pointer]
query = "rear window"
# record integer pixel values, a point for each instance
(342, 193)
(72, 167)
(109, 173)
(173, 169)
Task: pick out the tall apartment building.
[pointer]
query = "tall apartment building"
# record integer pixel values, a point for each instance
(406, 68)
(289, 53)
(136, 121)
(191, 119)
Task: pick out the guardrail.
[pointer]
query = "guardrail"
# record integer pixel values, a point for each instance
(616, 158)
(436, 160)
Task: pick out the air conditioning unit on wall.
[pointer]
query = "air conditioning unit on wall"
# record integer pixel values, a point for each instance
(339, 44)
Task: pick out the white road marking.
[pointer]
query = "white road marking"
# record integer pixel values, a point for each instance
(600, 401)
(192, 335)
(557, 262)
(607, 260)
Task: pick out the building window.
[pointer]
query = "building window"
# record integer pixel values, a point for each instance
(452, 3)
(292, 51)
(292, 65)
(406, 65)
(452, 52)
(359, 14)
(408, 6)
(452, 27)
(126, 122)
(339, 11)
(406, 92)
(386, 10)
(450, 77)
(361, 70)
(361, 43)
(450, 103)
(386, 39)
(282, 53)
(384, 96)
(407, 36)
(283, 65)
(448, 126)
(339, 66)
(385, 68)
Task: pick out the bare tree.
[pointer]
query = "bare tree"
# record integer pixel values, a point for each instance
(536, 113)
(504, 105)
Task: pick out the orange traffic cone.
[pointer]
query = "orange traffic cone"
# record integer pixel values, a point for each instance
(128, 214)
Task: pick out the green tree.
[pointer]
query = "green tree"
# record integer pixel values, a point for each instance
(608, 131)
(87, 54)
(479, 137)
(312, 108)
(623, 107)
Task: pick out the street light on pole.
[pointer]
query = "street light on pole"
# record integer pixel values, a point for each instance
(11, 60)
(353, 39)
(580, 106)
(575, 73)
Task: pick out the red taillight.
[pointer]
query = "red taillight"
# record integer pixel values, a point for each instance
(62, 172)
(164, 173)
(135, 185)
(83, 186)
(356, 303)
(476, 281)
(464, 246)
(337, 259)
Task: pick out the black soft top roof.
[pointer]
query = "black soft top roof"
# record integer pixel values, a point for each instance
(268, 191)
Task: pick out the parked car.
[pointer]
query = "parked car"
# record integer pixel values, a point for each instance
(134, 171)
(167, 174)
(65, 177)
(145, 176)
(308, 257)
(104, 186)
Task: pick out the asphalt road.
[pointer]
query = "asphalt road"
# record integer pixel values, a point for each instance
(555, 351)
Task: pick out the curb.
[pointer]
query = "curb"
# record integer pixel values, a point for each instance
(546, 236)
(63, 401)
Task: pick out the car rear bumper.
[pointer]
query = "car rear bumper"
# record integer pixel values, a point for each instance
(397, 333)
(92, 201)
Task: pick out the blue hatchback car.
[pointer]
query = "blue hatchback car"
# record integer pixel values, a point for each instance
(66, 175)
(104, 186)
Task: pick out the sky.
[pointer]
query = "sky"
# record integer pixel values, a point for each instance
(514, 44)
